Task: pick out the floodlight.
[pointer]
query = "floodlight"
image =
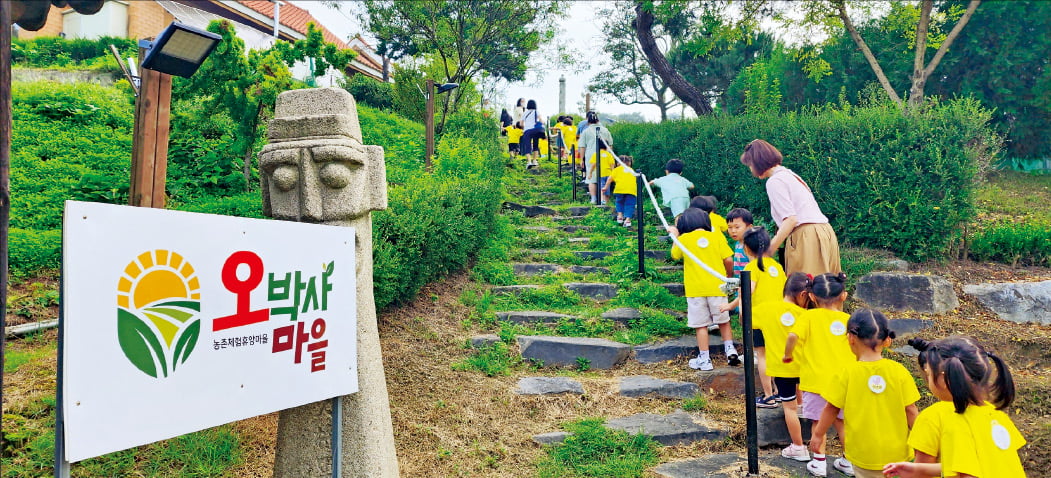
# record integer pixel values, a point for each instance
(444, 87)
(179, 50)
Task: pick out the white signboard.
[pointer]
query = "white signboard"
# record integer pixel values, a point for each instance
(175, 322)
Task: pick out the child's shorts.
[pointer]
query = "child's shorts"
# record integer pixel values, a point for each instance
(813, 405)
(786, 388)
(757, 338)
(512, 148)
(704, 311)
(678, 205)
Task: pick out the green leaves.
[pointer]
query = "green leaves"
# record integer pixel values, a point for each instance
(140, 345)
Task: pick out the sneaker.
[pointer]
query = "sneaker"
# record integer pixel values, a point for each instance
(796, 452)
(766, 402)
(731, 355)
(843, 466)
(713, 328)
(701, 363)
(627, 223)
(620, 220)
(817, 467)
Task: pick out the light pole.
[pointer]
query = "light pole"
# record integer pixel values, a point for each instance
(429, 119)
(179, 50)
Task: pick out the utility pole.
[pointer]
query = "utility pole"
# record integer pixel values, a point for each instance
(587, 103)
(562, 94)
(428, 121)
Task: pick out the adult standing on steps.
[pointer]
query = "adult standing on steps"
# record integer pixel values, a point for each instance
(810, 243)
(533, 125)
(519, 110)
(588, 142)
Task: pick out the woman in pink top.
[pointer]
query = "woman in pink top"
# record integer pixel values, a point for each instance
(810, 243)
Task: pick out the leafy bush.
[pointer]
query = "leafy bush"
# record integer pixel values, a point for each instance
(1015, 244)
(594, 450)
(58, 52)
(371, 92)
(884, 179)
(33, 251)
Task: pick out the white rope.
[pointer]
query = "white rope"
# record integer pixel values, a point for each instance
(729, 282)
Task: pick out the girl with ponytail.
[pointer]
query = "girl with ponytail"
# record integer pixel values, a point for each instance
(768, 285)
(877, 396)
(965, 434)
(822, 335)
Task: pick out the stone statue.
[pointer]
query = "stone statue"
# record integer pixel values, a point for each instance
(316, 169)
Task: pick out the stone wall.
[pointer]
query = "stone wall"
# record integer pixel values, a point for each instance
(103, 78)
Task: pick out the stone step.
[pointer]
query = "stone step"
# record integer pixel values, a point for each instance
(730, 465)
(512, 289)
(925, 294)
(589, 270)
(909, 326)
(670, 268)
(482, 341)
(658, 255)
(574, 229)
(673, 429)
(592, 255)
(622, 315)
(585, 210)
(594, 290)
(579, 240)
(682, 347)
(529, 211)
(531, 317)
(534, 268)
(773, 430)
(642, 385)
(725, 380)
(540, 229)
(548, 386)
(675, 289)
(1021, 302)
(551, 438)
(564, 351)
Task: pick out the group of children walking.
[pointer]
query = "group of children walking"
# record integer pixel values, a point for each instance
(832, 370)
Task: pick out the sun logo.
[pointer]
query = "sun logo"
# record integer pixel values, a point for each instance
(158, 299)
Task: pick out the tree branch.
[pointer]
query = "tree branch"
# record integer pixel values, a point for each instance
(971, 7)
(683, 89)
(841, 8)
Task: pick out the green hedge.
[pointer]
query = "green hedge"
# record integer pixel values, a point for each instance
(1015, 244)
(884, 179)
(55, 52)
(74, 142)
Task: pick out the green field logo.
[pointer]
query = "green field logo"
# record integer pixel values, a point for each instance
(158, 300)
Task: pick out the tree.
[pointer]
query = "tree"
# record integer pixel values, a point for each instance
(817, 12)
(628, 76)
(494, 36)
(689, 94)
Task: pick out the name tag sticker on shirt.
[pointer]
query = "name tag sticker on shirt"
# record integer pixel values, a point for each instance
(837, 328)
(1001, 437)
(773, 272)
(787, 319)
(877, 384)
(702, 242)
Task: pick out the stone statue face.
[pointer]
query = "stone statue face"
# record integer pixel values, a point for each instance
(321, 180)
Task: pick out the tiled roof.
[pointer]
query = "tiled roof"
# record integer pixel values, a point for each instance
(294, 17)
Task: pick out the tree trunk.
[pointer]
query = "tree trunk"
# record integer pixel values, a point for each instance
(246, 167)
(921, 72)
(682, 88)
(841, 8)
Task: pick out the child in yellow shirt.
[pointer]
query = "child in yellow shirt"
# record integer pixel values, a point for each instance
(514, 136)
(878, 398)
(768, 285)
(703, 295)
(625, 191)
(821, 333)
(707, 204)
(600, 176)
(774, 319)
(964, 432)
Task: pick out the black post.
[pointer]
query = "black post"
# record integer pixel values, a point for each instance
(5, 167)
(573, 176)
(752, 438)
(598, 167)
(640, 223)
(559, 151)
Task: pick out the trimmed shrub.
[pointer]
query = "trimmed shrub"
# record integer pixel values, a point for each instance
(1015, 244)
(55, 52)
(371, 92)
(33, 251)
(884, 179)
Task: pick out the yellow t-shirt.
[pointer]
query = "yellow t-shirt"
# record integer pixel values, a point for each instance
(569, 134)
(769, 284)
(981, 442)
(718, 222)
(514, 135)
(608, 162)
(873, 397)
(541, 146)
(623, 181)
(711, 248)
(825, 351)
(775, 319)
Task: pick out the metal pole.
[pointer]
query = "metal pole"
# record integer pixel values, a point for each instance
(598, 168)
(752, 438)
(429, 123)
(573, 170)
(559, 150)
(5, 167)
(640, 224)
(61, 465)
(337, 436)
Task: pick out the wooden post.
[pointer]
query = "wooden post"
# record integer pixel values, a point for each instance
(149, 149)
(587, 103)
(429, 122)
(5, 165)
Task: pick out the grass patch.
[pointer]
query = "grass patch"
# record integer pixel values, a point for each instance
(1014, 194)
(694, 404)
(492, 360)
(595, 451)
